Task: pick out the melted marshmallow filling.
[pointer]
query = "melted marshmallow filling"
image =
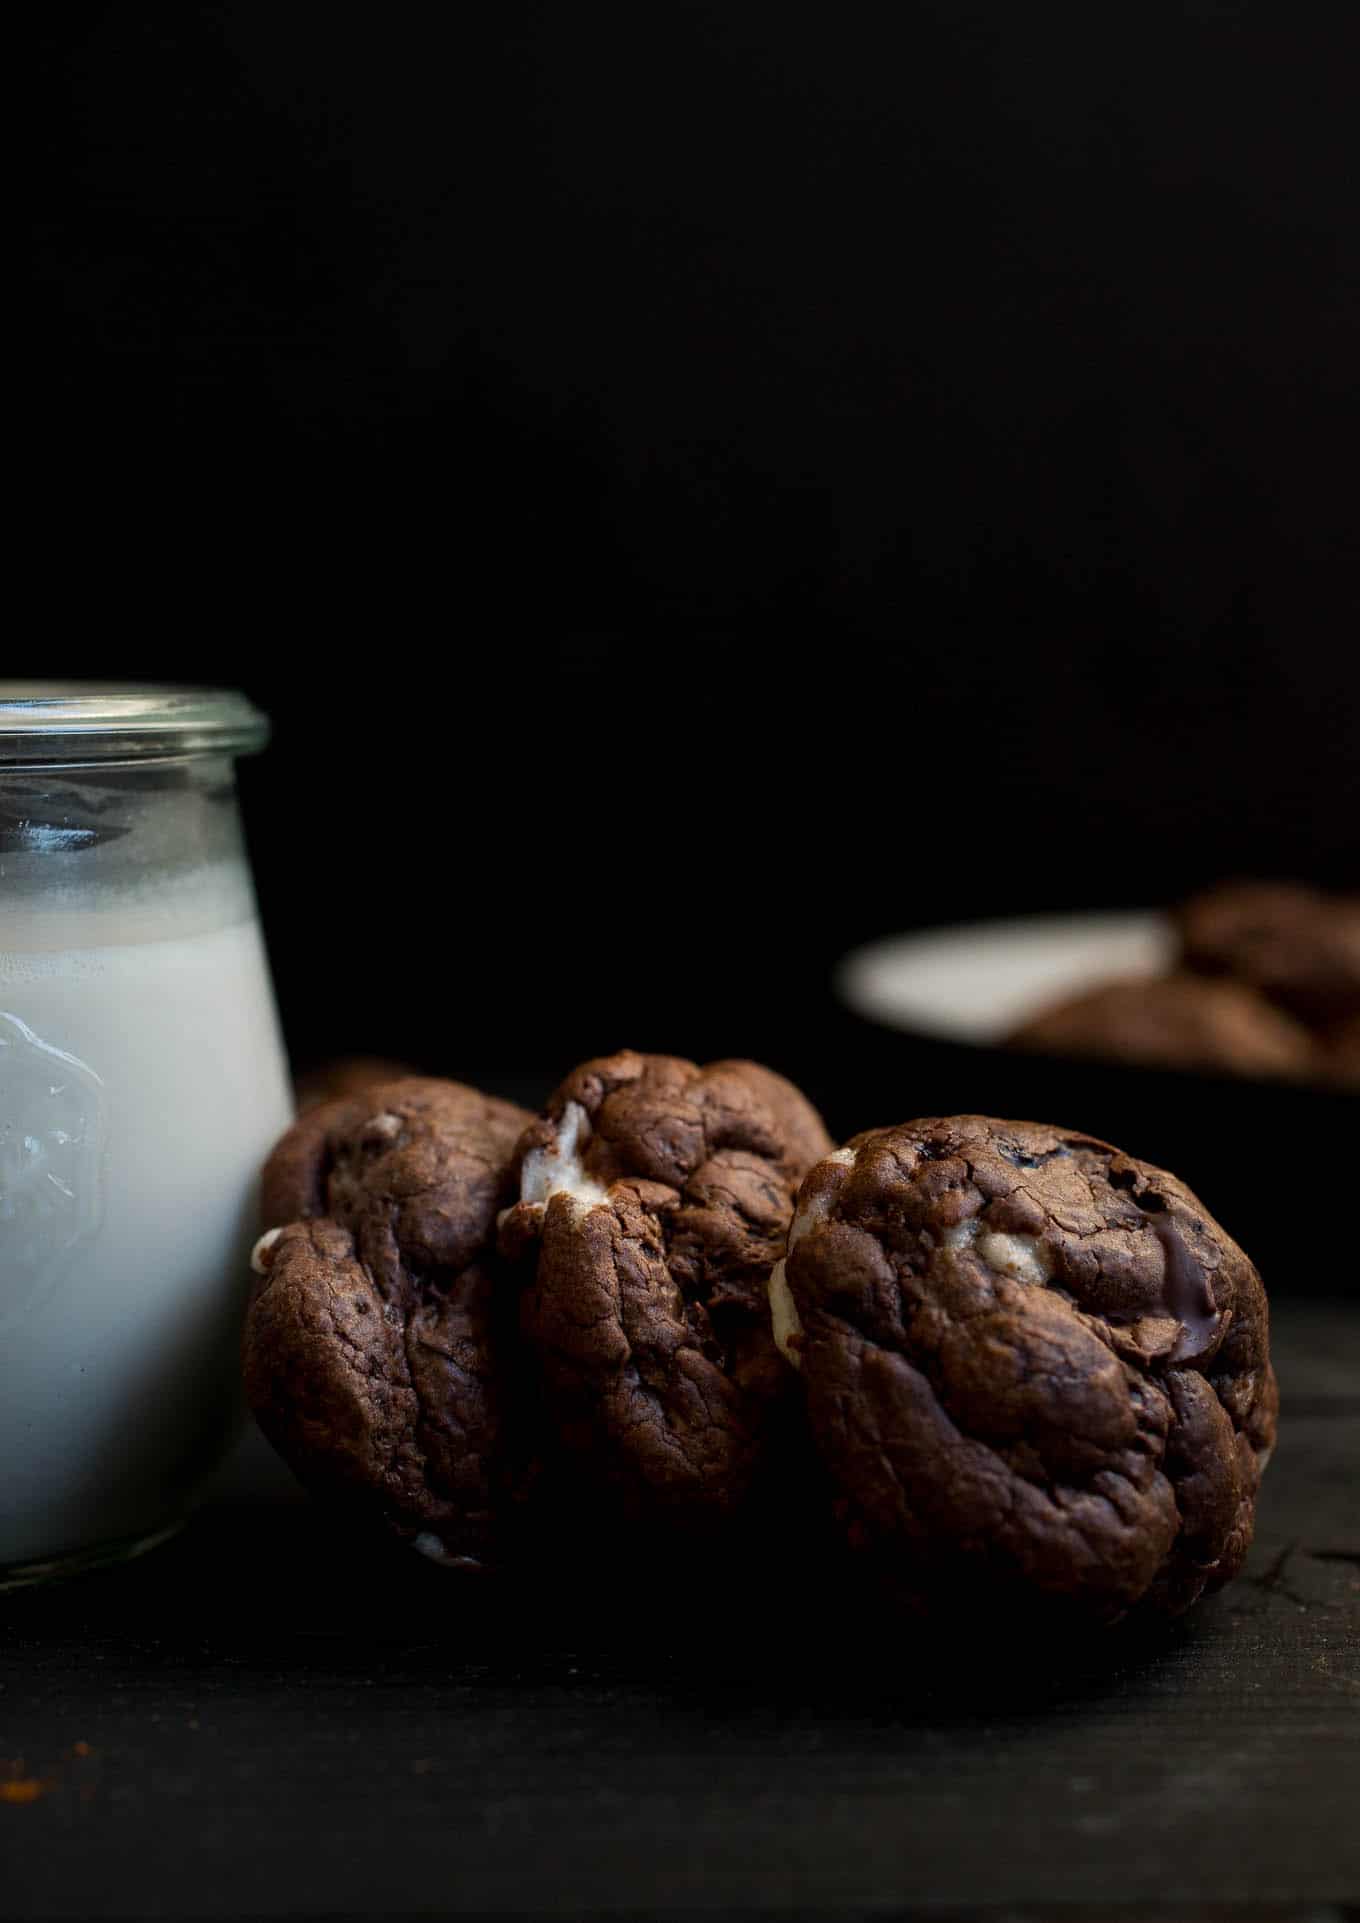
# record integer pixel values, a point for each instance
(1021, 1257)
(428, 1544)
(261, 1250)
(785, 1321)
(558, 1170)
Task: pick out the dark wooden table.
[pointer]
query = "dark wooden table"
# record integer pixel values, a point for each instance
(253, 1722)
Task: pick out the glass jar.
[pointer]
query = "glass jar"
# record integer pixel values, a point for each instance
(142, 1081)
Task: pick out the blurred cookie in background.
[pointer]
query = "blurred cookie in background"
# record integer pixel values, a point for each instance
(1174, 1021)
(1340, 1054)
(1295, 945)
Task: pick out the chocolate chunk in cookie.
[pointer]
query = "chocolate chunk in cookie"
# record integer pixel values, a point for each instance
(1297, 946)
(1036, 1369)
(655, 1197)
(1174, 1021)
(379, 1343)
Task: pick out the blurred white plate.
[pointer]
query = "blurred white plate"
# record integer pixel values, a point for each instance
(977, 981)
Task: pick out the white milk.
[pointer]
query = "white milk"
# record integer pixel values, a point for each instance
(142, 1082)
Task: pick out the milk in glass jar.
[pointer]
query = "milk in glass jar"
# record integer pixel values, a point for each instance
(142, 1081)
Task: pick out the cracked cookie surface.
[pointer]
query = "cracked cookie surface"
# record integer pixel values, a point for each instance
(654, 1198)
(1036, 1369)
(378, 1340)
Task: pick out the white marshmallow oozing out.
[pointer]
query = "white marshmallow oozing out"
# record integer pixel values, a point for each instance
(785, 1321)
(1021, 1257)
(261, 1250)
(815, 1209)
(558, 1170)
(784, 1317)
(428, 1544)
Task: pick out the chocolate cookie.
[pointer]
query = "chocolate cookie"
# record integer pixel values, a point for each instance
(1298, 946)
(378, 1344)
(655, 1196)
(1174, 1021)
(1037, 1370)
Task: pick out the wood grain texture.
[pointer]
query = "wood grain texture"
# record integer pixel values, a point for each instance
(279, 1727)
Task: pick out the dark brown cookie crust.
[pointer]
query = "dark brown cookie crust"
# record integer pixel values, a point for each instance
(1174, 1021)
(376, 1347)
(1037, 1370)
(647, 1304)
(1297, 946)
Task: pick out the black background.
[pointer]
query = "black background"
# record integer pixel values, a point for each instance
(698, 486)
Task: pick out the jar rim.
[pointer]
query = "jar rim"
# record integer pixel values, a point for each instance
(74, 722)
